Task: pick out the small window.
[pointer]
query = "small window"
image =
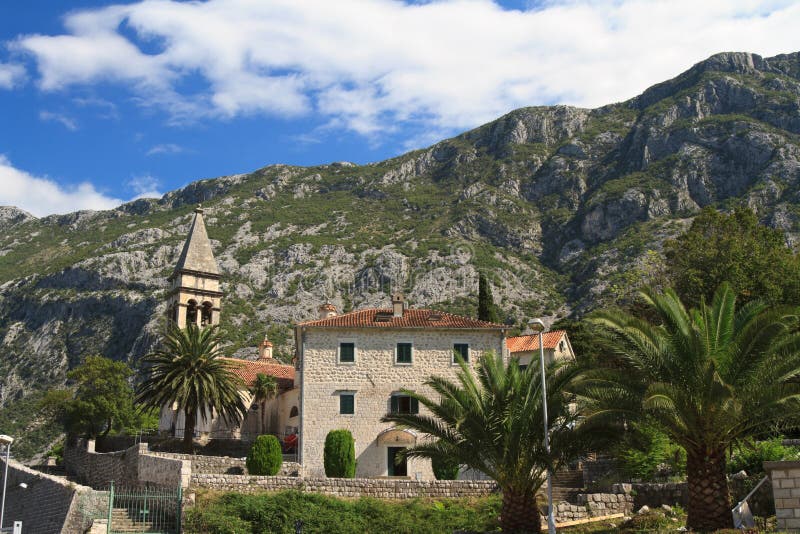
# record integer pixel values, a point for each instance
(403, 354)
(561, 346)
(347, 403)
(404, 404)
(523, 366)
(347, 352)
(294, 412)
(460, 350)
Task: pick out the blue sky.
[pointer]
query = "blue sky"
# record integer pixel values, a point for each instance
(103, 102)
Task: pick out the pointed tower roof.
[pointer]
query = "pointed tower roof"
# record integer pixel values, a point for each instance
(197, 255)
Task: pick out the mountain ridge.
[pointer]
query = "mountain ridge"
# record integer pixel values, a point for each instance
(560, 206)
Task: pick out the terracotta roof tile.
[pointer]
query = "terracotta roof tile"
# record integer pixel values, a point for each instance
(412, 318)
(248, 369)
(531, 341)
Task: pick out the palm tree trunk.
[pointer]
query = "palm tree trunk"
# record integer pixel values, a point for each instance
(709, 506)
(188, 432)
(519, 512)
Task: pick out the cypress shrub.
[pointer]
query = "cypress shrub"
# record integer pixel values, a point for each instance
(445, 468)
(340, 454)
(265, 456)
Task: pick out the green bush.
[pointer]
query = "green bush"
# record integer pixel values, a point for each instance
(751, 457)
(265, 457)
(647, 453)
(278, 512)
(445, 469)
(340, 454)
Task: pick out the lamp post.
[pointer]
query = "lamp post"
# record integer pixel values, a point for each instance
(7, 441)
(537, 326)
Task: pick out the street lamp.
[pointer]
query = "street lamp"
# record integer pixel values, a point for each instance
(537, 326)
(7, 441)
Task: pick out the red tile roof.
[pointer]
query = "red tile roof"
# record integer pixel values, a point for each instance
(531, 341)
(247, 371)
(412, 318)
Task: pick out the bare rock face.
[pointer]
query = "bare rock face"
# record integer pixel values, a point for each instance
(10, 216)
(555, 204)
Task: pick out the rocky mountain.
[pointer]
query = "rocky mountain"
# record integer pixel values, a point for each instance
(559, 205)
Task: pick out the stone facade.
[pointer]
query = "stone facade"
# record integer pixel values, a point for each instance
(373, 378)
(49, 504)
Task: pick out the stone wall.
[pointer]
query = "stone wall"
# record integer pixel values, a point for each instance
(133, 467)
(785, 478)
(594, 505)
(382, 488)
(373, 377)
(654, 495)
(50, 504)
(223, 465)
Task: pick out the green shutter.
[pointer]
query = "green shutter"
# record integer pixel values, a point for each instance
(404, 353)
(347, 352)
(395, 404)
(414, 405)
(347, 404)
(462, 349)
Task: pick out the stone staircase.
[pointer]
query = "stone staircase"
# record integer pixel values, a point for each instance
(124, 521)
(567, 483)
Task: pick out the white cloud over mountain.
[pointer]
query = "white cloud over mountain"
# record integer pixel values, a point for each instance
(43, 196)
(367, 65)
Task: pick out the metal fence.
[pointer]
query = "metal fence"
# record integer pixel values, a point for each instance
(144, 510)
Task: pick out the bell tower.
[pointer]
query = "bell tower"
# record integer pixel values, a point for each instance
(194, 295)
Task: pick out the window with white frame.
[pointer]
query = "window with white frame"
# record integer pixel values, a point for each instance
(347, 351)
(404, 353)
(460, 350)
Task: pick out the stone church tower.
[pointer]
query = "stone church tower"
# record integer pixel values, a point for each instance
(195, 296)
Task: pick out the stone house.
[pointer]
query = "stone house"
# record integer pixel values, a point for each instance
(352, 367)
(195, 297)
(526, 348)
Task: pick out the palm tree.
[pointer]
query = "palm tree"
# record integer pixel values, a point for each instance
(708, 377)
(492, 422)
(187, 370)
(264, 388)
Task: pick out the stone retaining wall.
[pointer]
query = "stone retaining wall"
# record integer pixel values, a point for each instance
(594, 505)
(223, 465)
(348, 487)
(133, 467)
(49, 504)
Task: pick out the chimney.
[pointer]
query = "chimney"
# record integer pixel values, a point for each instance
(327, 310)
(265, 350)
(397, 305)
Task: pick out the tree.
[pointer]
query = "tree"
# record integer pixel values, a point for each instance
(445, 468)
(264, 389)
(102, 401)
(339, 455)
(707, 377)
(187, 370)
(265, 457)
(734, 247)
(487, 311)
(492, 421)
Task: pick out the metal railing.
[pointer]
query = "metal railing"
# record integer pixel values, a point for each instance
(151, 510)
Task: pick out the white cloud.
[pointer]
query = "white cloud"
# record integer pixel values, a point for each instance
(145, 186)
(42, 196)
(68, 122)
(367, 65)
(166, 148)
(11, 75)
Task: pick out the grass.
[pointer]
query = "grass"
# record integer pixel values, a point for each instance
(232, 513)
